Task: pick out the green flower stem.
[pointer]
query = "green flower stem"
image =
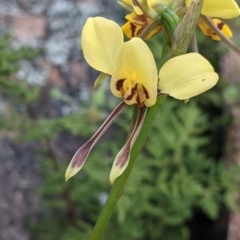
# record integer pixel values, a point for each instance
(165, 50)
(120, 182)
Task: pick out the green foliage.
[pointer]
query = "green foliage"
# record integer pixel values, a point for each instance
(9, 64)
(173, 177)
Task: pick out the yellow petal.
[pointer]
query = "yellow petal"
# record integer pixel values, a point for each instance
(135, 67)
(223, 27)
(138, 19)
(101, 39)
(151, 3)
(219, 8)
(206, 30)
(136, 6)
(131, 30)
(136, 24)
(128, 2)
(186, 76)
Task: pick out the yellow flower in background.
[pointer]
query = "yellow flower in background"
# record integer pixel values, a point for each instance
(206, 30)
(136, 24)
(137, 21)
(130, 64)
(225, 9)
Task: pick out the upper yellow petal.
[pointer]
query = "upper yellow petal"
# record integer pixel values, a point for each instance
(151, 3)
(135, 76)
(101, 39)
(136, 24)
(219, 8)
(186, 76)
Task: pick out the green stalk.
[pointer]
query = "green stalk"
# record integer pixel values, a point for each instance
(120, 182)
(165, 50)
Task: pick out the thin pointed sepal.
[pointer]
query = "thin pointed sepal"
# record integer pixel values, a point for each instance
(122, 159)
(81, 155)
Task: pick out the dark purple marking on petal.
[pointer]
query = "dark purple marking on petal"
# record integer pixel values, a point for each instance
(81, 155)
(220, 25)
(119, 84)
(133, 29)
(133, 92)
(145, 92)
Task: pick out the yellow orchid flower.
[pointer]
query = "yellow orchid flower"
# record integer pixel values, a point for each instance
(214, 8)
(136, 24)
(225, 9)
(131, 64)
(134, 77)
(206, 30)
(137, 21)
(133, 70)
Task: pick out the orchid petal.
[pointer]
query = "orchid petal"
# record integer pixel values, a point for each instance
(219, 8)
(135, 68)
(186, 76)
(122, 159)
(130, 29)
(136, 4)
(81, 155)
(101, 39)
(136, 25)
(128, 2)
(152, 3)
(206, 30)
